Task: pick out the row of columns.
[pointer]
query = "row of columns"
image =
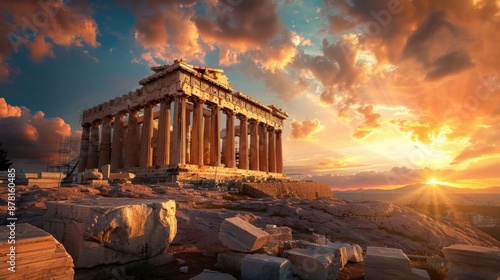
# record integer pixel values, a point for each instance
(263, 154)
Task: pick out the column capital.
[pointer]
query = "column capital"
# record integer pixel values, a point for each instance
(242, 117)
(228, 112)
(270, 128)
(149, 104)
(264, 125)
(196, 99)
(213, 106)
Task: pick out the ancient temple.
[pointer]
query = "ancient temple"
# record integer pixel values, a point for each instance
(170, 129)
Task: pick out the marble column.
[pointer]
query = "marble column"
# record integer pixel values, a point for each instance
(188, 135)
(215, 136)
(206, 140)
(84, 147)
(243, 148)
(132, 139)
(117, 144)
(94, 146)
(279, 152)
(254, 145)
(146, 158)
(230, 146)
(105, 147)
(178, 153)
(197, 135)
(163, 145)
(263, 148)
(272, 149)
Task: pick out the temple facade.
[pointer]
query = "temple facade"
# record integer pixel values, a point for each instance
(172, 128)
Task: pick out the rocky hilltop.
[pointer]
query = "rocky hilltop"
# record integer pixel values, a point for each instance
(200, 213)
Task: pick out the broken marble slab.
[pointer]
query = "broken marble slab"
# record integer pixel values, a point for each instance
(264, 267)
(390, 263)
(111, 230)
(36, 255)
(241, 236)
(312, 264)
(277, 237)
(339, 252)
(230, 262)
(472, 262)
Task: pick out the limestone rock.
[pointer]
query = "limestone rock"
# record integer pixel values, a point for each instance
(264, 267)
(390, 263)
(337, 251)
(354, 252)
(121, 176)
(112, 230)
(37, 254)
(212, 275)
(472, 262)
(241, 236)
(277, 237)
(313, 265)
(92, 174)
(230, 261)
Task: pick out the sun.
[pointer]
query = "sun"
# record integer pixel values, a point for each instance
(432, 182)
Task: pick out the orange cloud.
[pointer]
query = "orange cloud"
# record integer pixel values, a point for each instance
(31, 139)
(370, 123)
(40, 48)
(305, 130)
(41, 24)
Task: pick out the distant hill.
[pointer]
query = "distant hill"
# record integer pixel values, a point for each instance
(427, 194)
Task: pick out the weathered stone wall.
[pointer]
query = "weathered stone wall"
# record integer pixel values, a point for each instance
(304, 190)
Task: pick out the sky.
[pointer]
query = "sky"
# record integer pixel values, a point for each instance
(379, 92)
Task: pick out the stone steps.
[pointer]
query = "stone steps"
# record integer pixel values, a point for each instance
(38, 255)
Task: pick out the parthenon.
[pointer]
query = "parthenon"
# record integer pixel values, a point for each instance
(134, 132)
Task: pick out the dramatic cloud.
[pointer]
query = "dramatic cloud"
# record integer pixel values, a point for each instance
(370, 123)
(305, 130)
(39, 25)
(32, 140)
(166, 30)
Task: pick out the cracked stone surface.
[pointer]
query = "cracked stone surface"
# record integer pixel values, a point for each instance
(111, 230)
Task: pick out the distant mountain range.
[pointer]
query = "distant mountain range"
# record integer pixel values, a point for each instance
(427, 194)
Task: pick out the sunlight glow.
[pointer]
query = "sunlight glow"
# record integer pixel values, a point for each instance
(432, 182)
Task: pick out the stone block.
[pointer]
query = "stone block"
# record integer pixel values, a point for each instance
(230, 261)
(319, 239)
(207, 274)
(241, 236)
(51, 175)
(390, 263)
(106, 171)
(354, 252)
(472, 262)
(338, 251)
(313, 265)
(111, 230)
(276, 240)
(264, 267)
(121, 176)
(37, 255)
(92, 174)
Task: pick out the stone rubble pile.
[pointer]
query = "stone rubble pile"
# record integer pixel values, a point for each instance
(273, 254)
(37, 255)
(112, 230)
